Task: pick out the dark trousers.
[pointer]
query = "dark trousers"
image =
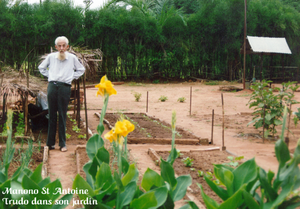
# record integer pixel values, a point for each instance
(58, 95)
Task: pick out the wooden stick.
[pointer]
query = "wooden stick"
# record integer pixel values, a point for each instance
(85, 109)
(212, 127)
(264, 124)
(78, 104)
(223, 123)
(190, 100)
(147, 102)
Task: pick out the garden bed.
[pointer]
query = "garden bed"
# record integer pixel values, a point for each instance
(202, 161)
(152, 130)
(35, 160)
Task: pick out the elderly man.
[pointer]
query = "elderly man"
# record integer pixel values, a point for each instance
(61, 68)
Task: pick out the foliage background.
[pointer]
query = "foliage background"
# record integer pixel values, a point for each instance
(153, 39)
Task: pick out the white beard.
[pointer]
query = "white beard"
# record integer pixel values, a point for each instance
(61, 56)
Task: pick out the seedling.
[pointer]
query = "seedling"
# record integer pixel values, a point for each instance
(200, 173)
(188, 162)
(76, 129)
(163, 98)
(82, 136)
(234, 161)
(181, 99)
(137, 96)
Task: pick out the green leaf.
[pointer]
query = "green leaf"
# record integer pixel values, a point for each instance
(128, 194)
(93, 144)
(118, 181)
(37, 174)
(151, 178)
(52, 189)
(226, 177)
(282, 153)
(101, 156)
(167, 172)
(145, 201)
(250, 202)
(222, 193)
(245, 173)
(104, 177)
(189, 205)
(235, 200)
(183, 182)
(209, 202)
(131, 175)
(89, 177)
(125, 165)
(269, 191)
(161, 195)
(80, 184)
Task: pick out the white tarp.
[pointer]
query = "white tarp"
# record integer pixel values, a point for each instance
(268, 45)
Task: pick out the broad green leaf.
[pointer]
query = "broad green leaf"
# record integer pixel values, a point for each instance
(235, 200)
(101, 156)
(167, 172)
(245, 173)
(183, 182)
(226, 177)
(118, 181)
(52, 188)
(44, 182)
(81, 185)
(128, 194)
(269, 191)
(89, 177)
(16, 186)
(125, 165)
(249, 201)
(131, 175)
(28, 184)
(209, 202)
(63, 202)
(161, 195)
(222, 193)
(37, 174)
(282, 153)
(268, 116)
(94, 143)
(103, 177)
(189, 205)
(151, 178)
(145, 201)
(284, 194)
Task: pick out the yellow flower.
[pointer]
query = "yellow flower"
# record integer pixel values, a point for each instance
(105, 87)
(123, 128)
(111, 136)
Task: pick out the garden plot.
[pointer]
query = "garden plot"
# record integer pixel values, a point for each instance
(151, 130)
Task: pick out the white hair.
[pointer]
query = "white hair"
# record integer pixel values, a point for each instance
(62, 38)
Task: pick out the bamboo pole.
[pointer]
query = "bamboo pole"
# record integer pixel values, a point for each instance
(75, 97)
(264, 115)
(78, 104)
(287, 139)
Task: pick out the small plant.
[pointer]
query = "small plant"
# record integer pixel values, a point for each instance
(68, 136)
(200, 173)
(192, 169)
(178, 153)
(212, 83)
(137, 96)
(233, 161)
(20, 129)
(82, 136)
(156, 81)
(188, 162)
(181, 99)
(163, 98)
(76, 129)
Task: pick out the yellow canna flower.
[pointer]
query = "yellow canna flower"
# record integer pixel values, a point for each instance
(120, 128)
(130, 127)
(111, 136)
(105, 87)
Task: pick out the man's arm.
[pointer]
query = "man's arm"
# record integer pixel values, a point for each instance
(43, 67)
(79, 69)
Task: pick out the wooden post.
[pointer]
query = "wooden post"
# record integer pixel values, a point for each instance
(287, 139)
(264, 123)
(223, 123)
(190, 101)
(85, 109)
(78, 104)
(75, 97)
(212, 126)
(147, 102)
(26, 113)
